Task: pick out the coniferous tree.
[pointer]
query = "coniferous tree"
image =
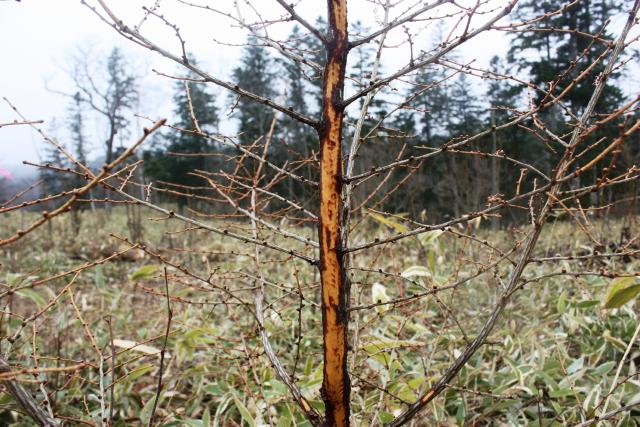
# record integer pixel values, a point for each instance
(76, 123)
(361, 70)
(413, 126)
(562, 47)
(76, 128)
(362, 58)
(313, 50)
(429, 101)
(465, 109)
(502, 97)
(174, 161)
(561, 51)
(297, 143)
(254, 74)
(436, 125)
(121, 95)
(53, 182)
(461, 171)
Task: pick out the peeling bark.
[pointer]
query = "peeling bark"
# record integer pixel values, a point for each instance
(335, 286)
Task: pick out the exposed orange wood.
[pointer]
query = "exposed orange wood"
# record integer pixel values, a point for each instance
(335, 286)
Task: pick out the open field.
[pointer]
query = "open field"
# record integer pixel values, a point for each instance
(362, 213)
(551, 359)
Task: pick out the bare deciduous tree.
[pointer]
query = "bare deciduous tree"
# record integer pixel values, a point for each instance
(110, 92)
(361, 163)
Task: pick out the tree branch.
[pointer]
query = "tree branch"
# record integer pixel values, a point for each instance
(25, 400)
(302, 21)
(133, 34)
(431, 59)
(395, 23)
(529, 244)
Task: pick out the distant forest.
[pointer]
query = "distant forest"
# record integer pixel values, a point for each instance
(436, 107)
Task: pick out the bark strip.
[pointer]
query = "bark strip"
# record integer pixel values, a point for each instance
(335, 287)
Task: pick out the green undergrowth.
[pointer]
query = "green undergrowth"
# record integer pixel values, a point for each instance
(550, 360)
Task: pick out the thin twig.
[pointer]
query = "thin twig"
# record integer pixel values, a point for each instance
(163, 350)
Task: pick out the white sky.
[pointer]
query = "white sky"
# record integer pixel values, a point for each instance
(40, 36)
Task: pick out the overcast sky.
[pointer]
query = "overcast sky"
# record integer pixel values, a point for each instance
(40, 37)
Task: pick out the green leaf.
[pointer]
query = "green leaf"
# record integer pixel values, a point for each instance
(460, 414)
(604, 368)
(220, 388)
(375, 347)
(562, 303)
(222, 407)
(33, 296)
(5, 399)
(308, 366)
(244, 412)
(13, 279)
(575, 366)
(145, 413)
(196, 333)
(430, 236)
(286, 418)
(389, 222)
(99, 277)
(591, 400)
(502, 405)
(416, 270)
(142, 348)
(206, 417)
(561, 392)
(274, 389)
(587, 303)
(621, 291)
(431, 260)
(144, 272)
(617, 342)
(415, 383)
(139, 371)
(386, 417)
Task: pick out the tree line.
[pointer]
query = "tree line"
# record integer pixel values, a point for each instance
(433, 108)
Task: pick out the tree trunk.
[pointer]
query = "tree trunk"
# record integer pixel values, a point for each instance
(335, 286)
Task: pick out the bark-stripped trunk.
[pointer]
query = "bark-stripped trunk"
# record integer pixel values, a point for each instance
(335, 287)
